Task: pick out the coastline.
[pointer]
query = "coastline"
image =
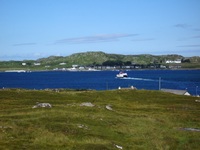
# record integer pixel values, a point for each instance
(60, 70)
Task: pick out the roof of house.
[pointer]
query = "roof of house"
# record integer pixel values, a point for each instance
(178, 92)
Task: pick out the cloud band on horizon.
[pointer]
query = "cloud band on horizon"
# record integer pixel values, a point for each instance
(23, 44)
(181, 25)
(94, 39)
(142, 40)
(189, 45)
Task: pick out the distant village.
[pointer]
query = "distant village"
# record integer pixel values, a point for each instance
(169, 64)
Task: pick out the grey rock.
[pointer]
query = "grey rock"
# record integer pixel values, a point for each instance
(44, 105)
(88, 104)
(109, 107)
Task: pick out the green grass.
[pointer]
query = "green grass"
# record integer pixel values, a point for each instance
(139, 120)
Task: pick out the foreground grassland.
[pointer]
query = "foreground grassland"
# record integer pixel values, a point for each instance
(139, 119)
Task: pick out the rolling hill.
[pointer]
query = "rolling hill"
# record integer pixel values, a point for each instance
(92, 58)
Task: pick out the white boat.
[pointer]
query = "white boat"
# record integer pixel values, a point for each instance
(122, 75)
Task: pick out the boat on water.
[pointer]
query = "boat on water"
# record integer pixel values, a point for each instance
(122, 75)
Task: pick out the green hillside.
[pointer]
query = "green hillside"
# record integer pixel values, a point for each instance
(118, 119)
(98, 58)
(89, 58)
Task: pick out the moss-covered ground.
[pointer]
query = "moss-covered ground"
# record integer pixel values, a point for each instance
(139, 119)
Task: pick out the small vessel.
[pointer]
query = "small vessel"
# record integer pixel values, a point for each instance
(122, 75)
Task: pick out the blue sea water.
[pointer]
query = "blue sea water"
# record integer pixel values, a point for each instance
(104, 80)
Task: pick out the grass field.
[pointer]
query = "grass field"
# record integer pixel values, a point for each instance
(139, 119)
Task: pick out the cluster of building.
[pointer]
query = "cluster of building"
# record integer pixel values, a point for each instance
(178, 61)
(35, 64)
(171, 64)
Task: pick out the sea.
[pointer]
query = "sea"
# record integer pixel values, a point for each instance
(103, 80)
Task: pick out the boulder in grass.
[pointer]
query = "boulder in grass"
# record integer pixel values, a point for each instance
(108, 107)
(43, 105)
(119, 147)
(88, 104)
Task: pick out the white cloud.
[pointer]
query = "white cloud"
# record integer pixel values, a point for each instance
(24, 44)
(94, 39)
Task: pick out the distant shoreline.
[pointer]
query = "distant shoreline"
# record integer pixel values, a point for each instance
(29, 71)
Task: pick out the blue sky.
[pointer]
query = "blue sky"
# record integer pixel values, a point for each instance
(31, 29)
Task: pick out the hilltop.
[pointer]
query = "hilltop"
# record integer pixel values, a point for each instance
(104, 59)
(89, 58)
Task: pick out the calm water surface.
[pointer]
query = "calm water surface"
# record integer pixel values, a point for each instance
(103, 80)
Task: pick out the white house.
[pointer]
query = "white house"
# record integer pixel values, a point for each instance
(178, 61)
(62, 63)
(177, 92)
(74, 66)
(37, 64)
